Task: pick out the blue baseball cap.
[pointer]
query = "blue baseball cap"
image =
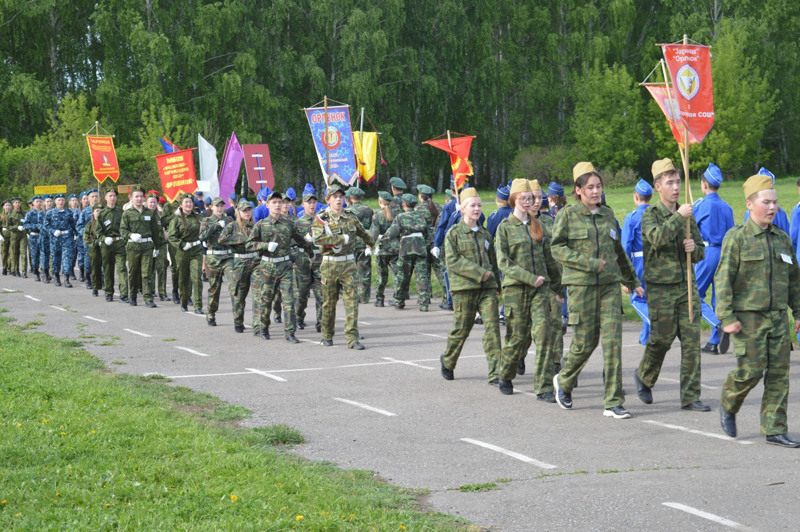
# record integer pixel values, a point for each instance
(764, 171)
(643, 188)
(554, 189)
(503, 192)
(713, 175)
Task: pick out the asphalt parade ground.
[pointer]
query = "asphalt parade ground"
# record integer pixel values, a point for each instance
(387, 409)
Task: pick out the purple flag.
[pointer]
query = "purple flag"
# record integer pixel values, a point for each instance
(229, 170)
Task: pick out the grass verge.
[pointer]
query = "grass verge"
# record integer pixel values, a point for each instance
(84, 449)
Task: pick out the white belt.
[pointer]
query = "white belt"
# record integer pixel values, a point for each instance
(34, 234)
(148, 239)
(707, 244)
(339, 258)
(413, 234)
(637, 254)
(316, 252)
(275, 259)
(245, 255)
(219, 252)
(195, 243)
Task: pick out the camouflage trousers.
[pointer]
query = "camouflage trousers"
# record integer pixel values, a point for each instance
(44, 251)
(61, 253)
(668, 305)
(307, 278)
(762, 350)
(553, 349)
(406, 265)
(465, 304)
(190, 276)
(173, 266)
(96, 265)
(386, 264)
(218, 267)
(593, 309)
(364, 268)
(339, 278)
(436, 268)
(18, 252)
(140, 269)
(239, 280)
(113, 259)
(81, 253)
(160, 264)
(33, 244)
(527, 319)
(276, 278)
(6, 249)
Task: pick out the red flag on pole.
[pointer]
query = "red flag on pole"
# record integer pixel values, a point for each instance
(670, 109)
(458, 149)
(690, 69)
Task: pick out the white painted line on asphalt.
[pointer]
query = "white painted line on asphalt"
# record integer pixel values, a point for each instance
(95, 319)
(678, 382)
(700, 432)
(208, 375)
(138, 333)
(8, 290)
(265, 374)
(432, 335)
(407, 363)
(365, 407)
(192, 351)
(32, 298)
(705, 515)
(58, 308)
(512, 454)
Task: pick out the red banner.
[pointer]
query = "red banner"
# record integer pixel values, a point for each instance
(177, 173)
(458, 148)
(670, 110)
(258, 166)
(690, 69)
(104, 158)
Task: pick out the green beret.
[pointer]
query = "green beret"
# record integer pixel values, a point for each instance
(348, 193)
(409, 199)
(425, 189)
(396, 182)
(356, 192)
(243, 205)
(217, 201)
(385, 196)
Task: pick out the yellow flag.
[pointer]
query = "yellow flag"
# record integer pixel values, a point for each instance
(366, 152)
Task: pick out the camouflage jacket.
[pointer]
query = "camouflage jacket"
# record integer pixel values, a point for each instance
(412, 230)
(329, 232)
(12, 221)
(378, 228)
(396, 206)
(234, 237)
(280, 230)
(303, 224)
(146, 223)
(522, 259)
(56, 220)
(184, 229)
(210, 230)
(757, 272)
(469, 255)
(90, 236)
(364, 214)
(582, 239)
(423, 208)
(662, 242)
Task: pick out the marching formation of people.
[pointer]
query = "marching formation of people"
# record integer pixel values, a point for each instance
(554, 264)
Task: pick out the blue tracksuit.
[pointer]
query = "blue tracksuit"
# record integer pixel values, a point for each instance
(496, 217)
(714, 217)
(60, 246)
(632, 242)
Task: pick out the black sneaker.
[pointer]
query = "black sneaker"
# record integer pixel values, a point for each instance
(379, 302)
(563, 399)
(124, 299)
(301, 325)
(521, 367)
(292, 339)
(277, 319)
(238, 328)
(618, 412)
(710, 348)
(644, 392)
(326, 343)
(318, 327)
(697, 406)
(547, 397)
(150, 304)
(478, 320)
(506, 387)
(494, 382)
(212, 322)
(446, 373)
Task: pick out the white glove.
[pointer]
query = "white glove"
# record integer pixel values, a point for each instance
(187, 246)
(272, 246)
(108, 240)
(1, 238)
(436, 252)
(346, 239)
(178, 211)
(221, 223)
(155, 253)
(56, 233)
(136, 237)
(20, 228)
(367, 252)
(309, 238)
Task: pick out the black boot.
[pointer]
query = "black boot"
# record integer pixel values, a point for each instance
(58, 279)
(88, 280)
(66, 282)
(47, 277)
(82, 278)
(38, 278)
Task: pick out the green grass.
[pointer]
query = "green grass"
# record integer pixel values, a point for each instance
(476, 488)
(85, 449)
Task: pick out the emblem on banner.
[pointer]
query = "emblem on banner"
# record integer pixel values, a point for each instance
(688, 82)
(332, 139)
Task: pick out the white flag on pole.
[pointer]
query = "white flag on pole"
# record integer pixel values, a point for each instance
(208, 182)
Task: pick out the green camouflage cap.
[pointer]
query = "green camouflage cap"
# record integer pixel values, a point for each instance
(425, 189)
(333, 189)
(409, 199)
(385, 196)
(356, 192)
(217, 200)
(243, 205)
(307, 197)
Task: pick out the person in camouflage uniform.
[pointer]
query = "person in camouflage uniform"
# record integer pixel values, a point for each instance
(6, 235)
(184, 235)
(386, 253)
(474, 284)
(307, 270)
(60, 226)
(160, 261)
(92, 264)
(141, 229)
(218, 256)
(335, 230)
(91, 237)
(44, 238)
(363, 261)
(33, 226)
(587, 244)
(665, 248)
(273, 238)
(167, 214)
(757, 280)
(17, 236)
(398, 187)
(235, 235)
(113, 250)
(411, 229)
(431, 212)
(530, 274)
